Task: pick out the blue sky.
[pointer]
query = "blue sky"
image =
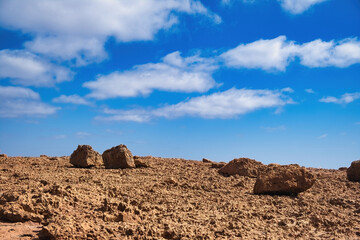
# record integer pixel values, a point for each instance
(274, 80)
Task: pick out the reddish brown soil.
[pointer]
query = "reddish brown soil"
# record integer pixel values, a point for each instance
(172, 199)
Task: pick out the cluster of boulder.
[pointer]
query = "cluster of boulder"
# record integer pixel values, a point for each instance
(273, 178)
(279, 179)
(117, 157)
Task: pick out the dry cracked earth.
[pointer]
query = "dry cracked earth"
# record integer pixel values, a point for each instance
(47, 198)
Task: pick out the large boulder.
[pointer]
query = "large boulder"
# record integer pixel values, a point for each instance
(242, 166)
(118, 157)
(283, 180)
(85, 156)
(353, 172)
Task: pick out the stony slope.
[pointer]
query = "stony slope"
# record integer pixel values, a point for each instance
(172, 199)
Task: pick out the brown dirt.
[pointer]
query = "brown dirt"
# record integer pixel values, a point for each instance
(171, 199)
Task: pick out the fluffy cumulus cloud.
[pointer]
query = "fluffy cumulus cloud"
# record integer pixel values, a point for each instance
(73, 99)
(174, 73)
(25, 68)
(271, 54)
(276, 54)
(319, 53)
(344, 99)
(298, 6)
(78, 29)
(19, 102)
(220, 105)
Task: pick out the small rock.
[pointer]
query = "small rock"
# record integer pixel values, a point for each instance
(118, 157)
(3, 155)
(283, 180)
(85, 156)
(353, 172)
(242, 166)
(43, 156)
(205, 160)
(342, 168)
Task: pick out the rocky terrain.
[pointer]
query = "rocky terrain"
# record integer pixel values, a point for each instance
(168, 198)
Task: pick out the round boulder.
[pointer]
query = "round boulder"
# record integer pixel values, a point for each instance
(85, 156)
(118, 157)
(242, 166)
(353, 172)
(283, 180)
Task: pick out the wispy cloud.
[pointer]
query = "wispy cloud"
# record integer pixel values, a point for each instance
(19, 102)
(298, 6)
(221, 105)
(174, 74)
(309, 90)
(344, 99)
(82, 134)
(322, 136)
(68, 39)
(27, 69)
(291, 6)
(73, 99)
(275, 129)
(276, 54)
(60, 136)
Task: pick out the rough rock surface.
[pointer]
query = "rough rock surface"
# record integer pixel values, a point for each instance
(242, 166)
(283, 179)
(118, 157)
(85, 156)
(353, 172)
(174, 199)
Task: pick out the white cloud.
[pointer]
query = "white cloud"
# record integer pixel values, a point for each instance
(277, 53)
(19, 101)
(324, 54)
(27, 69)
(70, 29)
(220, 105)
(74, 99)
(134, 115)
(291, 6)
(83, 50)
(298, 6)
(273, 54)
(309, 90)
(344, 99)
(174, 74)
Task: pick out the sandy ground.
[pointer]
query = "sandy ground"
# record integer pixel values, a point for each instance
(172, 199)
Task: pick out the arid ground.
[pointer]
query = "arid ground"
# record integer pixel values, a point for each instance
(44, 197)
